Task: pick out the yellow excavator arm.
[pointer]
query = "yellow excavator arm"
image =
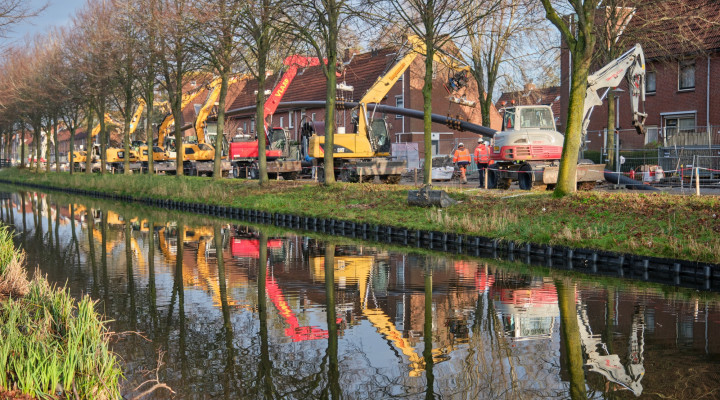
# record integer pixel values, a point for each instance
(165, 124)
(382, 86)
(109, 120)
(204, 113)
(137, 115)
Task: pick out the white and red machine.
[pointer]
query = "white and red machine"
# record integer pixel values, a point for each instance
(529, 148)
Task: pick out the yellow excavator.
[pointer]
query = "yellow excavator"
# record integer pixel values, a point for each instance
(366, 153)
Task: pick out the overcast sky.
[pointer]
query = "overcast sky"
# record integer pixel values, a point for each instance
(58, 13)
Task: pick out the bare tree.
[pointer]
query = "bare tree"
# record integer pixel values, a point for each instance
(318, 23)
(503, 39)
(125, 68)
(146, 18)
(220, 23)
(580, 37)
(437, 23)
(13, 12)
(176, 59)
(259, 36)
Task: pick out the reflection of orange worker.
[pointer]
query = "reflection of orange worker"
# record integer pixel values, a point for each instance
(462, 159)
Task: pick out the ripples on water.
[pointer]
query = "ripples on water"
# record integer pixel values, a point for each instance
(236, 312)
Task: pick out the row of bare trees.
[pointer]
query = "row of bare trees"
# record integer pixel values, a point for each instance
(117, 52)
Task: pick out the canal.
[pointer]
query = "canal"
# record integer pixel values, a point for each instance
(216, 309)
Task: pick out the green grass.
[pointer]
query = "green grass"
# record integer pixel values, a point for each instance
(51, 345)
(646, 224)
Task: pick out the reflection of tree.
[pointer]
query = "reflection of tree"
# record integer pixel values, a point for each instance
(91, 249)
(152, 291)
(332, 348)
(229, 373)
(130, 275)
(428, 336)
(179, 287)
(265, 367)
(24, 220)
(570, 338)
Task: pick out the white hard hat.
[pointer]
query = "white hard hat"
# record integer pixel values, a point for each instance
(487, 143)
(480, 140)
(461, 144)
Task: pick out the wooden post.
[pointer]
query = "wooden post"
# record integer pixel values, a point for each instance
(416, 177)
(360, 174)
(697, 181)
(485, 175)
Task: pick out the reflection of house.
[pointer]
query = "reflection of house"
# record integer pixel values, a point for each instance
(682, 101)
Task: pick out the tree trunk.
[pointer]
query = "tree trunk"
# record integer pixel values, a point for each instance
(427, 109)
(71, 156)
(566, 182)
(611, 131)
(126, 134)
(55, 146)
(48, 140)
(260, 122)
(38, 146)
(217, 167)
(103, 137)
(22, 147)
(149, 130)
(330, 92)
(177, 115)
(89, 143)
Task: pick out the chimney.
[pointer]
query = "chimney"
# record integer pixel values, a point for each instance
(529, 87)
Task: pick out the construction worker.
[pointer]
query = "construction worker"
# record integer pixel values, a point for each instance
(482, 159)
(462, 159)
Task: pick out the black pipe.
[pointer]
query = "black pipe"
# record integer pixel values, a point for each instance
(440, 119)
(632, 184)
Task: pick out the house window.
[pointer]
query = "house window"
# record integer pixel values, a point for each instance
(312, 117)
(245, 127)
(252, 126)
(282, 122)
(197, 108)
(651, 134)
(686, 75)
(650, 82)
(399, 103)
(675, 124)
(290, 119)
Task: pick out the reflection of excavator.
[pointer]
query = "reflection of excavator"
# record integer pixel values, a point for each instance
(357, 269)
(609, 365)
(249, 247)
(530, 312)
(366, 152)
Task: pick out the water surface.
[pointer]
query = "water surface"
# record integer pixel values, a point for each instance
(220, 310)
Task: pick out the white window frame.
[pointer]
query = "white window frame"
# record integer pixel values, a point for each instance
(290, 119)
(686, 63)
(282, 122)
(647, 80)
(649, 128)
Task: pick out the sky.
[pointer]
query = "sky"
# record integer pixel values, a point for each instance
(58, 13)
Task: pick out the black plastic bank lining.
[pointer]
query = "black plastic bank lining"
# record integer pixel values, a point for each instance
(696, 275)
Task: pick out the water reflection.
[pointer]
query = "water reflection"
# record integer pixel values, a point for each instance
(238, 312)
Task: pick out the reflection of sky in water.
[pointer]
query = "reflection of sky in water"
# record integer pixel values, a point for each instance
(496, 332)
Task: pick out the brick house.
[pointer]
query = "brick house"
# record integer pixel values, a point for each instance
(682, 85)
(360, 74)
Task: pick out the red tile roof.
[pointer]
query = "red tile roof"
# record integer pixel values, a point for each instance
(549, 96)
(675, 27)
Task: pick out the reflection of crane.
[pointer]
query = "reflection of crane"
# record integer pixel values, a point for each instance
(250, 248)
(358, 270)
(609, 365)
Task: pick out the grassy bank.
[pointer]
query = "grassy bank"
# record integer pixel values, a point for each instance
(647, 224)
(50, 345)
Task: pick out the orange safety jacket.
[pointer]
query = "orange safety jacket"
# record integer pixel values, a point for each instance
(461, 156)
(482, 154)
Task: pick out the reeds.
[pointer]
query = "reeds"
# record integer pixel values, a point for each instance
(51, 345)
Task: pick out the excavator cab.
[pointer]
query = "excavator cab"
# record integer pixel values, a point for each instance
(277, 139)
(380, 136)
